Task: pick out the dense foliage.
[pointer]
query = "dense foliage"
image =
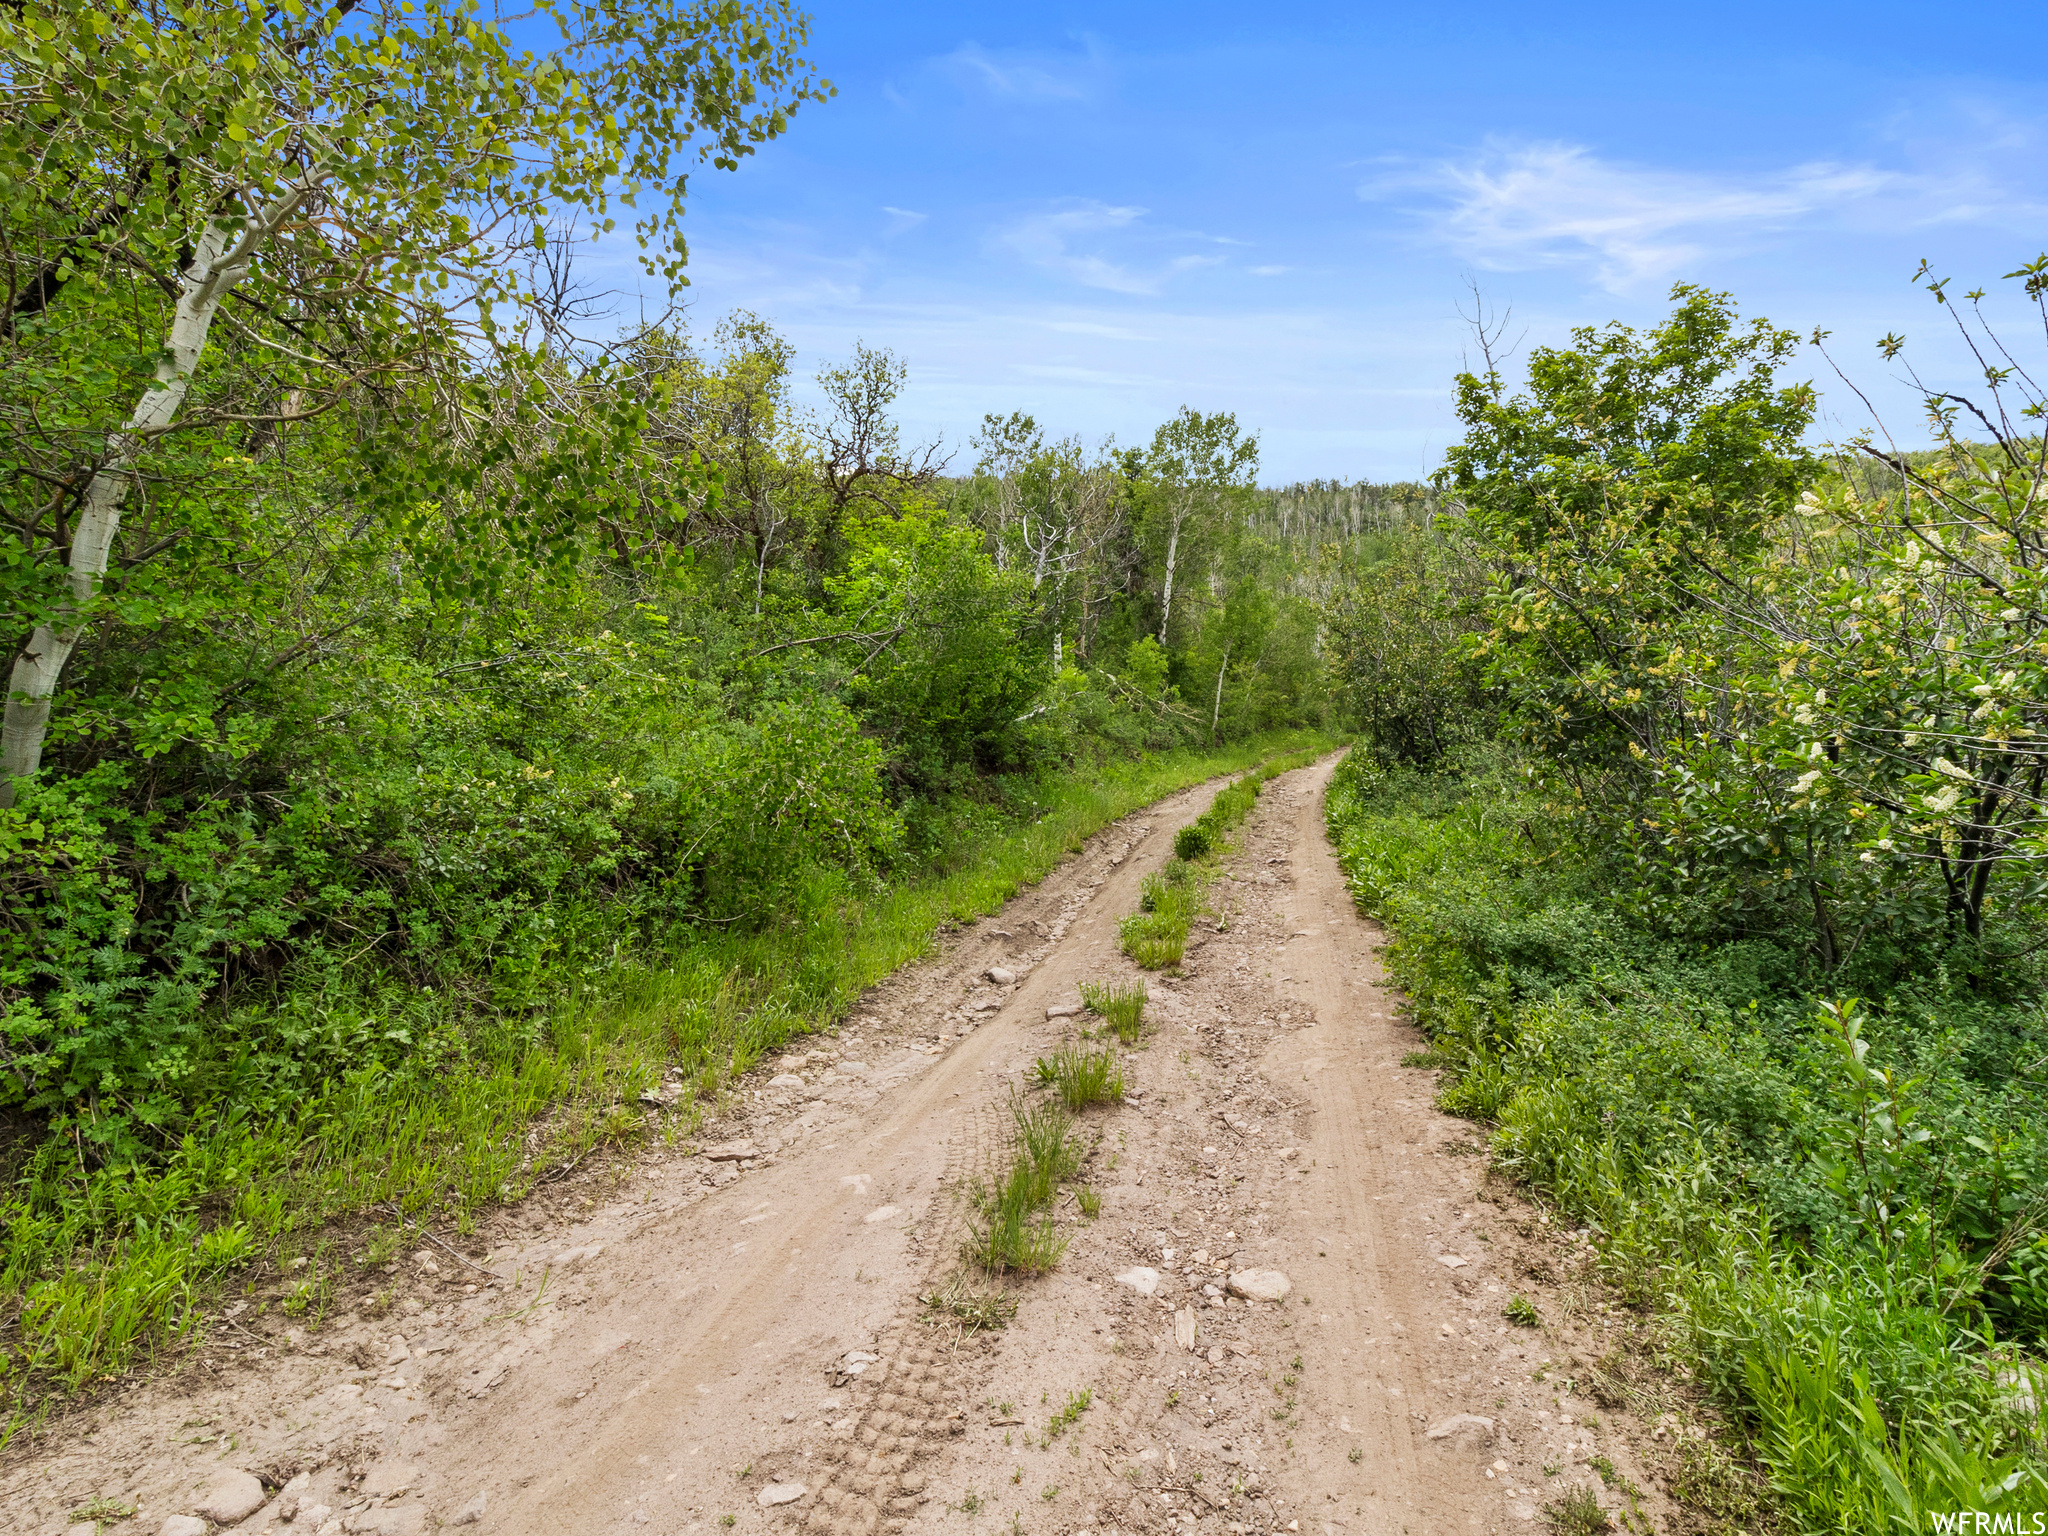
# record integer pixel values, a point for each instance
(425, 722)
(1711, 830)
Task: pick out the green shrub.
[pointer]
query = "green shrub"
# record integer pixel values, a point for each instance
(1191, 842)
(1811, 1184)
(2025, 1285)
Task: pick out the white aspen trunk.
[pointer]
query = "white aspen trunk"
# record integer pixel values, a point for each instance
(220, 260)
(1216, 710)
(1058, 655)
(1166, 596)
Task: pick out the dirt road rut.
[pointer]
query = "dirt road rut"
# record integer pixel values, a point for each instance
(741, 1340)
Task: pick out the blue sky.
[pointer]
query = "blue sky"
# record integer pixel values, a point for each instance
(1098, 214)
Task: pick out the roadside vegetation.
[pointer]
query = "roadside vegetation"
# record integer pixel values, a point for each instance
(1702, 790)
(440, 715)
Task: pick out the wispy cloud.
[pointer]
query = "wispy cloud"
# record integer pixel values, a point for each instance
(1028, 76)
(901, 219)
(1515, 206)
(1096, 328)
(1050, 240)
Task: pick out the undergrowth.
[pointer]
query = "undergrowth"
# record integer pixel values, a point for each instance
(459, 1110)
(1828, 1182)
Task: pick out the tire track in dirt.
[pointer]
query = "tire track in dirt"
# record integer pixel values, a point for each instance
(624, 1358)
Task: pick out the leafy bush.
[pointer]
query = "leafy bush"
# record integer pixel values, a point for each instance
(1821, 1189)
(1397, 615)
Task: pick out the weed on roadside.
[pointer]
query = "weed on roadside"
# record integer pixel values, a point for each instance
(1009, 1233)
(1121, 1006)
(1578, 1513)
(1083, 1077)
(1070, 1414)
(102, 1510)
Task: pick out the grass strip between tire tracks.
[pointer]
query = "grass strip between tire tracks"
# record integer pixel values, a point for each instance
(1156, 935)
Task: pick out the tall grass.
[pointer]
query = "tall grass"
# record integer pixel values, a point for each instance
(1083, 1077)
(1156, 935)
(102, 1262)
(1013, 1231)
(1681, 1102)
(1122, 1007)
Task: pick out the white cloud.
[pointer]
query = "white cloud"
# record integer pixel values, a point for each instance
(901, 219)
(1028, 76)
(1096, 328)
(1516, 206)
(1047, 241)
(1269, 271)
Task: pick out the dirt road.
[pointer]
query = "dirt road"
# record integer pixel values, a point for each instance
(691, 1343)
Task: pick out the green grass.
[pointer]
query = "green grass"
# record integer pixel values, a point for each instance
(1012, 1230)
(1120, 1006)
(1686, 1103)
(1083, 1077)
(1046, 1142)
(1577, 1513)
(1156, 935)
(1077, 1403)
(101, 1264)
